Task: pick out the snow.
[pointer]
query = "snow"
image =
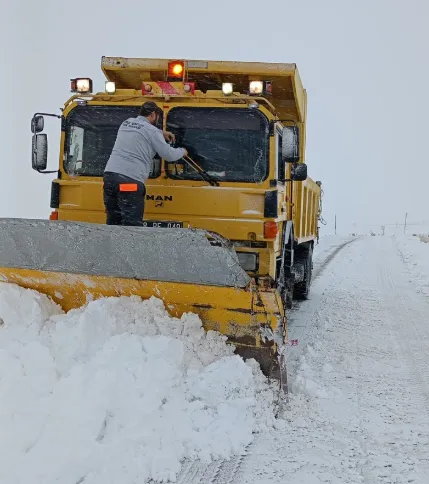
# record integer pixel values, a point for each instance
(359, 379)
(118, 391)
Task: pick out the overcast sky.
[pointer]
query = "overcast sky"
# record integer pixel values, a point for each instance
(364, 64)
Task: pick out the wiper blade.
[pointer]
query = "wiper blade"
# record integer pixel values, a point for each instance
(204, 175)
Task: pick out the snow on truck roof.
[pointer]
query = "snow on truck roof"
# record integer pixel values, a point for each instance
(288, 94)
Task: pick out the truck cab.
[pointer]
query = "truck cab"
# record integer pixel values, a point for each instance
(243, 125)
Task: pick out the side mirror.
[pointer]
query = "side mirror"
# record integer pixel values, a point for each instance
(299, 172)
(39, 155)
(37, 124)
(290, 144)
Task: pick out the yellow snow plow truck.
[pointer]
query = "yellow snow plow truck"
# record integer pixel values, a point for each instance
(229, 232)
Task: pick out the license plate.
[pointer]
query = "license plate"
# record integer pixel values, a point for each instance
(162, 224)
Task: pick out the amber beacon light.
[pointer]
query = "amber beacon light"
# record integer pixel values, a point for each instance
(176, 69)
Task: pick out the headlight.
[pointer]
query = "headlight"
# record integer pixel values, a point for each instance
(256, 87)
(248, 260)
(227, 88)
(81, 85)
(110, 87)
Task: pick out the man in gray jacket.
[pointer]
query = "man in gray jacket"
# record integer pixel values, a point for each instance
(130, 162)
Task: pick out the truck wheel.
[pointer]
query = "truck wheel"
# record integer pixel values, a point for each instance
(302, 289)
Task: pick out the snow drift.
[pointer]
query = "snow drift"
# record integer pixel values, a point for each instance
(118, 391)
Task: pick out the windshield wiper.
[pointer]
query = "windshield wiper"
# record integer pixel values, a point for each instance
(204, 175)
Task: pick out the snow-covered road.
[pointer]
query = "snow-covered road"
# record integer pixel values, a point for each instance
(119, 391)
(360, 377)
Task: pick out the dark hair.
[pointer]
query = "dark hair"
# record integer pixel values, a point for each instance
(148, 108)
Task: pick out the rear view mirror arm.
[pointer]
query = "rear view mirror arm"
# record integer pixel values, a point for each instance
(48, 114)
(46, 172)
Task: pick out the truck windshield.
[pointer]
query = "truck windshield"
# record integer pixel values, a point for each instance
(231, 144)
(90, 135)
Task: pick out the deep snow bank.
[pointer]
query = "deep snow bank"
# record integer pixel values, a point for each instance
(117, 391)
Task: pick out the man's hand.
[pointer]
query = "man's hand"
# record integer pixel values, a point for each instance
(169, 136)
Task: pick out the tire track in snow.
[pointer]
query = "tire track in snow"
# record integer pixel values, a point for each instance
(221, 471)
(226, 472)
(408, 306)
(409, 311)
(331, 255)
(391, 420)
(321, 266)
(300, 325)
(391, 403)
(361, 412)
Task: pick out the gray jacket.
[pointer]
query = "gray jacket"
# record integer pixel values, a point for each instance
(136, 144)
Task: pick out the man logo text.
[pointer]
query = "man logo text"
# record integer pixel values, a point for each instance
(163, 198)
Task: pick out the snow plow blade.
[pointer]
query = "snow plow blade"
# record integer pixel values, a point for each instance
(190, 270)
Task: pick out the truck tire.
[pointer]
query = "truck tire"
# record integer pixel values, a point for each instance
(302, 289)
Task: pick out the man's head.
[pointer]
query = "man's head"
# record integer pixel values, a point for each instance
(151, 112)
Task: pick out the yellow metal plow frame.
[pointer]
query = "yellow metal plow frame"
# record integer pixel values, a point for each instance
(190, 271)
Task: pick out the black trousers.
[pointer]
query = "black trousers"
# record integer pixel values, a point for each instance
(124, 199)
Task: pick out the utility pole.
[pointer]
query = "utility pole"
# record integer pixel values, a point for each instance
(405, 223)
(335, 224)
